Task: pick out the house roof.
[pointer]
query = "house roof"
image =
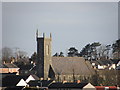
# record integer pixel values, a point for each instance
(8, 65)
(67, 85)
(102, 62)
(2, 66)
(12, 80)
(26, 67)
(56, 85)
(115, 61)
(15, 88)
(43, 83)
(74, 85)
(70, 65)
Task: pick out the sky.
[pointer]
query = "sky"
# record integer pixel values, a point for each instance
(72, 24)
(119, 19)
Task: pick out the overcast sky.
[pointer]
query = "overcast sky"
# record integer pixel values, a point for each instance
(71, 24)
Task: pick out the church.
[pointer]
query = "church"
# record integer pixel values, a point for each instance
(60, 68)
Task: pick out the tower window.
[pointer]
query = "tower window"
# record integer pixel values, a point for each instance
(47, 49)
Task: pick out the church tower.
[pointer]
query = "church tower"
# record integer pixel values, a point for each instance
(43, 55)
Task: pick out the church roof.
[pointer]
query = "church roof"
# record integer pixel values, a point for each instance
(71, 65)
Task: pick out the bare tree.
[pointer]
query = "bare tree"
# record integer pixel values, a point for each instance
(116, 49)
(22, 54)
(103, 51)
(6, 54)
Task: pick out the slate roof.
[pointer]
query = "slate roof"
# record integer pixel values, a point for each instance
(26, 67)
(8, 65)
(56, 85)
(74, 85)
(102, 62)
(43, 83)
(115, 61)
(12, 80)
(67, 85)
(70, 65)
(15, 88)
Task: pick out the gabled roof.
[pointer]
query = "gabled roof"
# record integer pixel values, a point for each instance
(32, 77)
(70, 65)
(89, 85)
(21, 83)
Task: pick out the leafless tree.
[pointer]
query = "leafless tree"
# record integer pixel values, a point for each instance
(103, 52)
(22, 54)
(7, 53)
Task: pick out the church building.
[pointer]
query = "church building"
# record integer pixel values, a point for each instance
(60, 68)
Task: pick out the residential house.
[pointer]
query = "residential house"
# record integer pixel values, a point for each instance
(39, 83)
(103, 64)
(9, 68)
(14, 80)
(26, 69)
(71, 86)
